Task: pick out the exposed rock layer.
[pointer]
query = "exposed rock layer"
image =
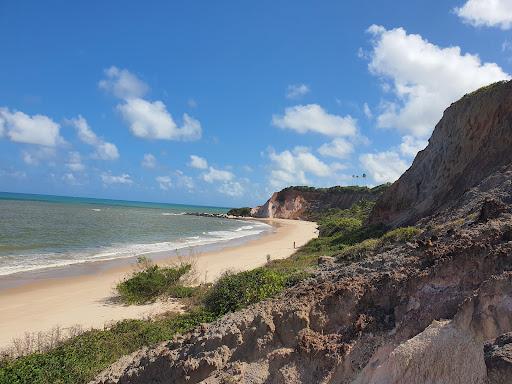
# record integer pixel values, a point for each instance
(304, 203)
(472, 140)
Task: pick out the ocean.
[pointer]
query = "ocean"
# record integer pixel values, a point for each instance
(42, 232)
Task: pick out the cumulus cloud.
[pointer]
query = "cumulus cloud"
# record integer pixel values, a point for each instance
(70, 179)
(383, 167)
(146, 119)
(232, 188)
(339, 148)
(214, 175)
(164, 182)
(296, 91)
(37, 156)
(410, 146)
(294, 166)
(22, 128)
(184, 181)
(424, 78)
(313, 118)
(103, 149)
(74, 162)
(198, 162)
(487, 13)
(148, 161)
(108, 179)
(123, 84)
(151, 120)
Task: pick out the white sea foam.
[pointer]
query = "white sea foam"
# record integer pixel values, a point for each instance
(39, 261)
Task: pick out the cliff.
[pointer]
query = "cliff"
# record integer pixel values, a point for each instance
(435, 309)
(471, 141)
(305, 203)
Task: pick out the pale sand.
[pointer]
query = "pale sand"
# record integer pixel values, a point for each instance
(86, 300)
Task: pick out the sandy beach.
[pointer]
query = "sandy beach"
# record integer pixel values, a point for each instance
(86, 300)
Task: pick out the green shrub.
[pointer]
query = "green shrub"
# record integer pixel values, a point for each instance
(359, 250)
(336, 225)
(152, 281)
(400, 235)
(235, 291)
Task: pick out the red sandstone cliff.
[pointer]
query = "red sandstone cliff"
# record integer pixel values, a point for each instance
(306, 202)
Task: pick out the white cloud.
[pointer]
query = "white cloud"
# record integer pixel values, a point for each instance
(164, 182)
(339, 148)
(198, 162)
(425, 78)
(108, 179)
(214, 174)
(192, 103)
(70, 178)
(487, 13)
(75, 162)
(36, 156)
(183, 180)
(22, 128)
(103, 149)
(292, 167)
(123, 84)
(383, 167)
(146, 119)
(232, 188)
(296, 91)
(151, 120)
(313, 118)
(410, 146)
(367, 111)
(149, 161)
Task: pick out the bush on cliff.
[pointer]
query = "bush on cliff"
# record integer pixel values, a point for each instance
(236, 291)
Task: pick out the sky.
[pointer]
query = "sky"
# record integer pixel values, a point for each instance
(222, 103)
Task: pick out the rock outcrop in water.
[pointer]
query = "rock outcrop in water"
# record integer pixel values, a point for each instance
(436, 310)
(305, 203)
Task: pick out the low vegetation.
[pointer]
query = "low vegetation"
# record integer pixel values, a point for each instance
(79, 359)
(243, 212)
(343, 233)
(234, 291)
(150, 282)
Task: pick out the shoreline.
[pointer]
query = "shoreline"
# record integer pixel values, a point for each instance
(94, 266)
(86, 299)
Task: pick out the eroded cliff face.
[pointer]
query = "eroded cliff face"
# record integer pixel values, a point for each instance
(407, 314)
(471, 141)
(435, 310)
(304, 203)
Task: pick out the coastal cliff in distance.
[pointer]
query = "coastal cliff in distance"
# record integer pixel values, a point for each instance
(470, 142)
(435, 308)
(305, 203)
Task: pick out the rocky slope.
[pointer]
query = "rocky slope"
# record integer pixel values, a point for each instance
(435, 310)
(304, 203)
(471, 141)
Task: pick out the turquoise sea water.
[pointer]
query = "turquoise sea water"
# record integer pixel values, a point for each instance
(40, 231)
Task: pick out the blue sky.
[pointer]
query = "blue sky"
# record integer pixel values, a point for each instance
(221, 103)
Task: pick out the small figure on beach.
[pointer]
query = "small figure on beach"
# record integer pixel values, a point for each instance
(294, 245)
